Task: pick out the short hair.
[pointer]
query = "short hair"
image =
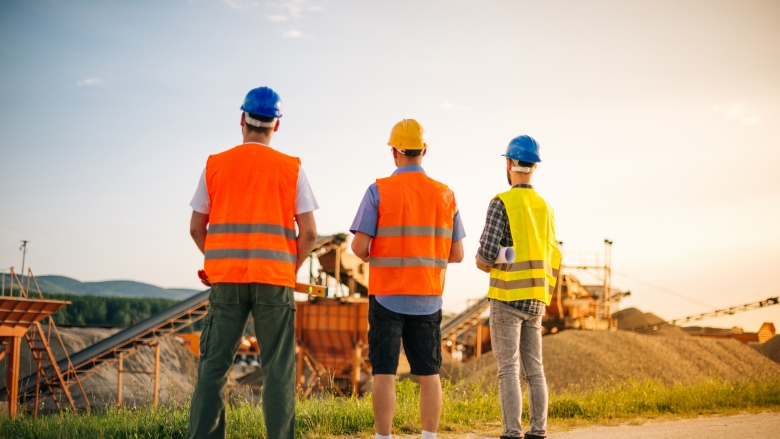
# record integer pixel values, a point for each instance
(521, 163)
(262, 130)
(412, 152)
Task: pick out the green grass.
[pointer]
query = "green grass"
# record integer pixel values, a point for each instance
(466, 409)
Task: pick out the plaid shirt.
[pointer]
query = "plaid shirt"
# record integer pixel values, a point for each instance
(496, 235)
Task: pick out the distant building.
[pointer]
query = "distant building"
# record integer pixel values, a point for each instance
(766, 332)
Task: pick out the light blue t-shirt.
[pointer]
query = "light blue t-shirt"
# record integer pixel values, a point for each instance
(366, 222)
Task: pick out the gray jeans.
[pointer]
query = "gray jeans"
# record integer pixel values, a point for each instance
(516, 338)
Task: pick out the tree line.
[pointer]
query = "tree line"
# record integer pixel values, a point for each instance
(106, 310)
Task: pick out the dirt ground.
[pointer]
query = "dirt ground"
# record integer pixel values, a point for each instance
(754, 426)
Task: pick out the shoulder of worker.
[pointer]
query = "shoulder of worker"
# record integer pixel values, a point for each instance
(531, 198)
(401, 177)
(238, 149)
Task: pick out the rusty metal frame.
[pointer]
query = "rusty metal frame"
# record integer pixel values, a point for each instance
(147, 338)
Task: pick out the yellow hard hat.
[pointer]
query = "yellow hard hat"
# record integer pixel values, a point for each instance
(408, 134)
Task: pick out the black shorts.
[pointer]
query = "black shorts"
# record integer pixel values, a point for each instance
(421, 336)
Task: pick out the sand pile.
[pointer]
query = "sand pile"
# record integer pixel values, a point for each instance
(178, 369)
(633, 318)
(587, 359)
(769, 348)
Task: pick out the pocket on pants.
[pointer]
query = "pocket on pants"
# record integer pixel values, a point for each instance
(204, 336)
(224, 293)
(273, 295)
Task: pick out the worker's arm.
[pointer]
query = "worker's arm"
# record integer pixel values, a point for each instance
(360, 245)
(483, 266)
(307, 234)
(490, 242)
(456, 252)
(198, 229)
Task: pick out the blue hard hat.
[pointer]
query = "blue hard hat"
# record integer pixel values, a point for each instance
(263, 101)
(523, 148)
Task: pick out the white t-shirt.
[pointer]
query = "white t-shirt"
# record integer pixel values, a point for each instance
(304, 200)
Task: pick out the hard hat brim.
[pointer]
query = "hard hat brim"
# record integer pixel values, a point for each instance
(425, 146)
(504, 155)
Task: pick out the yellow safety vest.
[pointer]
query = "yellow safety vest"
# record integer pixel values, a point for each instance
(534, 273)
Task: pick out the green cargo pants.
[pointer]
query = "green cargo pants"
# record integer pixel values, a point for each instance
(273, 309)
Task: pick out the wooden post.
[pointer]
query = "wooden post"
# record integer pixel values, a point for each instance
(356, 369)
(453, 340)
(156, 373)
(37, 382)
(300, 379)
(119, 381)
(479, 338)
(12, 374)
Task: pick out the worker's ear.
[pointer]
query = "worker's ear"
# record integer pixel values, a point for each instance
(276, 127)
(242, 120)
(395, 152)
(508, 164)
(425, 151)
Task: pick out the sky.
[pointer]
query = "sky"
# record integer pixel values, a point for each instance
(658, 123)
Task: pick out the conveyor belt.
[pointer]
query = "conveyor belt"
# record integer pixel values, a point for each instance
(104, 353)
(454, 326)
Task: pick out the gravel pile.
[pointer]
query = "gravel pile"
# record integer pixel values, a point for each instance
(178, 369)
(769, 348)
(582, 360)
(630, 318)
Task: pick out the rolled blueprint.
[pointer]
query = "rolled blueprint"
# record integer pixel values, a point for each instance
(506, 255)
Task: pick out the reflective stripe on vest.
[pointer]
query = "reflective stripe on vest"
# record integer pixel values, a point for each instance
(270, 229)
(414, 236)
(250, 253)
(439, 232)
(527, 265)
(417, 261)
(534, 273)
(252, 238)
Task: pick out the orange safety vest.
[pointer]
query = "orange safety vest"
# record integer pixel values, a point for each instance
(413, 238)
(251, 235)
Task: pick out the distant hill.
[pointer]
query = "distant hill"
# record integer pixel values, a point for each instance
(111, 288)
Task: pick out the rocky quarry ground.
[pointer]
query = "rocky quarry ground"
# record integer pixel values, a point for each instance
(573, 360)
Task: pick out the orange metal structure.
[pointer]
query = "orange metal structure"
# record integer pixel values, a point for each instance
(20, 317)
(332, 349)
(766, 332)
(332, 332)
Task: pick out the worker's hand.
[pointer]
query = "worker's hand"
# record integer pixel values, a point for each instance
(204, 279)
(483, 266)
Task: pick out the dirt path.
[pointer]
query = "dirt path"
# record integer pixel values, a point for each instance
(754, 426)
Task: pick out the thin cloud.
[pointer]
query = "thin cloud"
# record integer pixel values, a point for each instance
(291, 10)
(240, 4)
(294, 34)
(88, 82)
(295, 8)
(447, 105)
(738, 112)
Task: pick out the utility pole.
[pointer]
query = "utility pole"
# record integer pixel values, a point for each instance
(23, 248)
(608, 281)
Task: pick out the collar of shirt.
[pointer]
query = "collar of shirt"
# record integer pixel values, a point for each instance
(409, 168)
(254, 143)
(522, 186)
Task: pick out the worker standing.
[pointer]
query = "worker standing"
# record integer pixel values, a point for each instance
(251, 197)
(519, 291)
(407, 228)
